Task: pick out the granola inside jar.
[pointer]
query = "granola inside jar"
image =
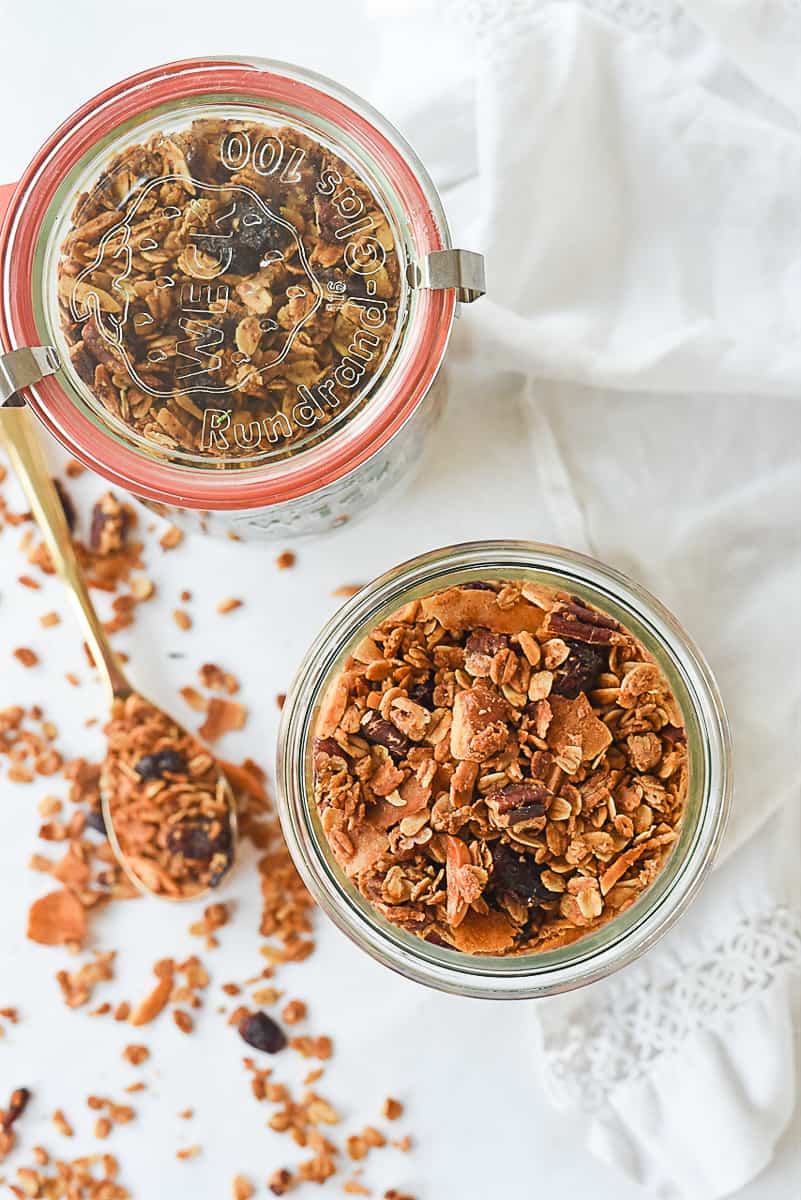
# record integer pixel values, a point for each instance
(500, 767)
(229, 287)
(229, 291)
(504, 769)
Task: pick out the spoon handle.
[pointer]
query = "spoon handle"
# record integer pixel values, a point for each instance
(25, 452)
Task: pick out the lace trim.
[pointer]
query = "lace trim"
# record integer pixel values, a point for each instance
(602, 1046)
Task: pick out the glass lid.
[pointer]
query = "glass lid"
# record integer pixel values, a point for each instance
(224, 285)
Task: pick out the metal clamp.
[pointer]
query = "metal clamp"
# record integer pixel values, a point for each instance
(20, 368)
(462, 270)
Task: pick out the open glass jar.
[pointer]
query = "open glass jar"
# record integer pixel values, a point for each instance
(228, 286)
(600, 951)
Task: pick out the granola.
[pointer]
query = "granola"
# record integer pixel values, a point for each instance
(229, 290)
(500, 767)
(167, 800)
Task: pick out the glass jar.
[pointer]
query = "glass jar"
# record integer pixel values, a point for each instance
(620, 940)
(228, 287)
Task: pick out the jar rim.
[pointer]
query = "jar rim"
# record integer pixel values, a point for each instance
(615, 943)
(265, 484)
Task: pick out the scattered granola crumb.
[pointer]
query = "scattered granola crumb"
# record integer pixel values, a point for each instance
(242, 1188)
(182, 619)
(285, 560)
(25, 656)
(27, 582)
(266, 995)
(186, 1114)
(142, 588)
(156, 1000)
(222, 716)
(62, 1124)
(103, 1127)
(109, 526)
(293, 1012)
(57, 919)
(48, 619)
(183, 1020)
(172, 537)
(8, 1118)
(280, 1182)
(193, 698)
(346, 590)
(353, 1187)
(78, 986)
(280, 700)
(228, 605)
(217, 680)
(73, 469)
(136, 1054)
(311, 1047)
(188, 1152)
(215, 916)
(392, 1109)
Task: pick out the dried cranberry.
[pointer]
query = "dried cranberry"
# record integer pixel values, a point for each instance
(192, 840)
(384, 733)
(153, 766)
(423, 692)
(580, 670)
(477, 585)
(262, 1033)
(517, 875)
(673, 734)
(94, 820)
(256, 233)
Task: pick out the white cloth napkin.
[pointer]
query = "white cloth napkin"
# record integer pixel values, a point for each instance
(633, 176)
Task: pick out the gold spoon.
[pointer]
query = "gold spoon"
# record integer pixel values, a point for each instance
(25, 452)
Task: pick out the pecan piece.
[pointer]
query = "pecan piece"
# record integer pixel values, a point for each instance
(383, 733)
(521, 805)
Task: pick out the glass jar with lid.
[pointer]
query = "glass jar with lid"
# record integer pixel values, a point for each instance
(228, 287)
(619, 603)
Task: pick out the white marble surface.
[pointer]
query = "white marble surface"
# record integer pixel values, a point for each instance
(467, 1070)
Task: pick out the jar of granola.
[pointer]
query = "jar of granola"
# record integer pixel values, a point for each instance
(228, 287)
(504, 769)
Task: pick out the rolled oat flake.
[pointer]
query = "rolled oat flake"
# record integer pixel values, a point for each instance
(228, 286)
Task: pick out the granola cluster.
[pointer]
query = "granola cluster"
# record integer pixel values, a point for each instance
(500, 768)
(229, 289)
(168, 801)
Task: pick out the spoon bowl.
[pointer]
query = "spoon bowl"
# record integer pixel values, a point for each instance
(166, 803)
